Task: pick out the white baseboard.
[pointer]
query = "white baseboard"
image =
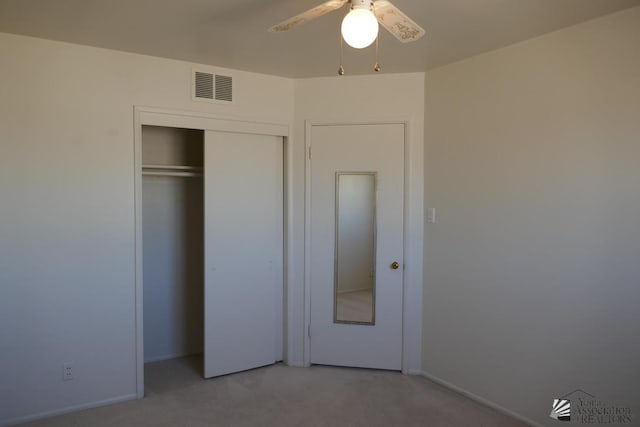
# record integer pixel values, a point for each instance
(479, 399)
(34, 417)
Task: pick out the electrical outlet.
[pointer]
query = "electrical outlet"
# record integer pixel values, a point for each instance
(67, 371)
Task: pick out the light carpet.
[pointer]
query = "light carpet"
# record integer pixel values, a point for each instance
(282, 396)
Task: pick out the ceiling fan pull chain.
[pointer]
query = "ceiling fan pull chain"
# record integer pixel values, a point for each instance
(376, 67)
(341, 69)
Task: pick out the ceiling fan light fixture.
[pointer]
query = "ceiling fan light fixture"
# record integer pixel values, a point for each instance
(360, 26)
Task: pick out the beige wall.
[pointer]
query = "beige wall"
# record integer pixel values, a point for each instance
(67, 205)
(532, 271)
(67, 211)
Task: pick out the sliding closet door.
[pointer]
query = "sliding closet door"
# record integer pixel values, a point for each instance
(243, 251)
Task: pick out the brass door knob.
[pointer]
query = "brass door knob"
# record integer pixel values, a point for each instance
(395, 265)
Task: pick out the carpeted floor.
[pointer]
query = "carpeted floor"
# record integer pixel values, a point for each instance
(281, 396)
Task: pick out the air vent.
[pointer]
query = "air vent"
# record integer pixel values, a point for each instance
(224, 89)
(212, 87)
(204, 85)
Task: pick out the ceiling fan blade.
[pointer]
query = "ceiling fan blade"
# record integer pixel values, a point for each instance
(396, 22)
(309, 15)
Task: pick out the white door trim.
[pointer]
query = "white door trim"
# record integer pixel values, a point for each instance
(413, 237)
(196, 120)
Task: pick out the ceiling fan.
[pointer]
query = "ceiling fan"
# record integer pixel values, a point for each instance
(360, 26)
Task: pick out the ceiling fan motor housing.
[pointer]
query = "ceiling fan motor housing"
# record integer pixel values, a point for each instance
(361, 4)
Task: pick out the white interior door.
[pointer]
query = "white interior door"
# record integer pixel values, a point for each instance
(243, 251)
(357, 178)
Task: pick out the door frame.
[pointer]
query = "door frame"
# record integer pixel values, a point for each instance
(412, 245)
(153, 116)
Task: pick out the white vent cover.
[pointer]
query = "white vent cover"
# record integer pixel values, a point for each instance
(212, 87)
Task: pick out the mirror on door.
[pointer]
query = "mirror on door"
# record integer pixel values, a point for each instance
(355, 248)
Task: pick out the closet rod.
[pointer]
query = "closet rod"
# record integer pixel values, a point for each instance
(172, 170)
(180, 174)
(172, 167)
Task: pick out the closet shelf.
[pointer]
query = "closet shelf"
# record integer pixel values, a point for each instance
(171, 170)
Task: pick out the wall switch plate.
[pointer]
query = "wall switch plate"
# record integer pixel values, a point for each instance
(431, 215)
(67, 371)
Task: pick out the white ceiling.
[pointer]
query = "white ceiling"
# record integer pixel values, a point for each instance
(233, 33)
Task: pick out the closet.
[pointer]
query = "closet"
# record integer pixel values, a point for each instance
(212, 247)
(173, 247)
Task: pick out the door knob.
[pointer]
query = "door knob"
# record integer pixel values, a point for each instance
(395, 265)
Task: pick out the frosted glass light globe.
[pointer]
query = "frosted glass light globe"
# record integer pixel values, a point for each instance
(360, 28)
